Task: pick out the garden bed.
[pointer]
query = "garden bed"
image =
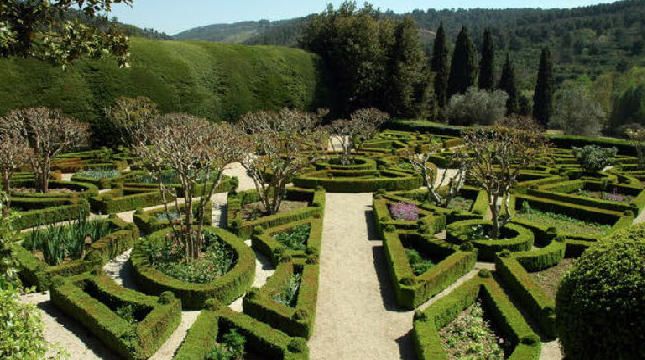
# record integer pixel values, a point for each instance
(513, 237)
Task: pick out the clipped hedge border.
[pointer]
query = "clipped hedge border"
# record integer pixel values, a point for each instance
(360, 163)
(227, 184)
(121, 200)
(244, 229)
(131, 341)
(295, 321)
(261, 338)
(148, 223)
(411, 291)
(513, 270)
(51, 215)
(505, 316)
(36, 272)
(522, 240)
(225, 289)
(83, 189)
(428, 223)
(263, 241)
(389, 180)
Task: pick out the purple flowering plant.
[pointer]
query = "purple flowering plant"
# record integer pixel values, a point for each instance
(404, 211)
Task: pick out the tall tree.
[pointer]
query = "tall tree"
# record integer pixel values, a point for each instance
(463, 69)
(508, 84)
(407, 72)
(543, 97)
(439, 66)
(487, 63)
(60, 31)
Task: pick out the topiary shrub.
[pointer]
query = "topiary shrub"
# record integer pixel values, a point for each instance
(599, 305)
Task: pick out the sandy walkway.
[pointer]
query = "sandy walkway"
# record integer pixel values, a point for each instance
(355, 315)
(236, 169)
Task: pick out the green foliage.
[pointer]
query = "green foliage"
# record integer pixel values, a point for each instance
(99, 174)
(562, 222)
(628, 109)
(486, 79)
(600, 301)
(463, 70)
(295, 239)
(469, 336)
(418, 263)
(593, 158)
(508, 84)
(439, 66)
(289, 294)
(230, 348)
(577, 113)
(8, 263)
(477, 107)
(544, 88)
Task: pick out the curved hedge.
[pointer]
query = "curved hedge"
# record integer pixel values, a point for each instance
(356, 182)
(517, 238)
(225, 289)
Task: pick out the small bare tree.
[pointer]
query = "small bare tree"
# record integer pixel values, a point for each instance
(196, 151)
(49, 133)
(351, 134)
(495, 156)
(637, 139)
(441, 188)
(129, 115)
(14, 152)
(279, 145)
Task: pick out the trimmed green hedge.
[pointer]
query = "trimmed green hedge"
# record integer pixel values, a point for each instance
(410, 290)
(148, 223)
(388, 180)
(516, 238)
(261, 338)
(297, 320)
(51, 215)
(124, 199)
(225, 289)
(93, 301)
(505, 317)
(244, 229)
(36, 272)
(264, 242)
(82, 189)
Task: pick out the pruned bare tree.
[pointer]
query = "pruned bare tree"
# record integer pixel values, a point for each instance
(130, 115)
(351, 134)
(495, 157)
(14, 153)
(637, 139)
(279, 145)
(49, 133)
(197, 151)
(442, 188)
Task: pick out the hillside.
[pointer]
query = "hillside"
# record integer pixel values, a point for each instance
(217, 81)
(590, 40)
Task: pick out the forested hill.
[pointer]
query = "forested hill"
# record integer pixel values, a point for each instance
(589, 40)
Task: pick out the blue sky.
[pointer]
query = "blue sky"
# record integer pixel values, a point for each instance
(173, 16)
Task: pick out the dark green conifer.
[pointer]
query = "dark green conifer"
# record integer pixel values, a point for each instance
(487, 63)
(463, 70)
(507, 83)
(439, 66)
(543, 98)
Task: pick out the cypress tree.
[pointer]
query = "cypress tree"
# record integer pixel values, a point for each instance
(487, 63)
(463, 69)
(439, 66)
(543, 98)
(508, 84)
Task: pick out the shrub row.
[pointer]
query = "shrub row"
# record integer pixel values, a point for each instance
(297, 320)
(261, 338)
(388, 180)
(148, 223)
(94, 300)
(123, 199)
(193, 296)
(515, 238)
(36, 272)
(82, 190)
(263, 241)
(505, 317)
(51, 215)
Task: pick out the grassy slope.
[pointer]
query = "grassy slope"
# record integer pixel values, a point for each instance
(216, 81)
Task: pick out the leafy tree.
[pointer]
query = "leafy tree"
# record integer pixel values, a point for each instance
(409, 87)
(543, 98)
(46, 30)
(494, 157)
(599, 304)
(593, 158)
(49, 133)
(463, 70)
(439, 66)
(628, 110)
(577, 113)
(637, 138)
(487, 63)
(477, 107)
(508, 84)
(278, 146)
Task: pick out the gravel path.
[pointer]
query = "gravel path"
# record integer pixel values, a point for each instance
(236, 169)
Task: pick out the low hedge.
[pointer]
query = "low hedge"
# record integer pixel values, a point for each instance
(264, 242)
(51, 215)
(244, 229)
(121, 200)
(260, 338)
(227, 184)
(410, 290)
(428, 223)
(148, 223)
(513, 270)
(93, 301)
(295, 321)
(388, 180)
(426, 127)
(517, 238)
(193, 296)
(505, 317)
(359, 163)
(81, 189)
(35, 272)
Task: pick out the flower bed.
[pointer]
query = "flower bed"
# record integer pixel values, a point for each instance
(157, 219)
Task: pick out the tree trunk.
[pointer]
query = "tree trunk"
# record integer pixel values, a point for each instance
(494, 233)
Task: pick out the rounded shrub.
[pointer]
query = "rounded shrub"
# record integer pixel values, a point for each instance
(600, 303)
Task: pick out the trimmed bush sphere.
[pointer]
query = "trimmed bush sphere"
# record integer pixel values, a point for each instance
(601, 303)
